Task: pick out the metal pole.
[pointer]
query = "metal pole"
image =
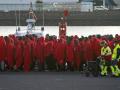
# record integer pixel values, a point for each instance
(19, 16)
(16, 18)
(104, 3)
(43, 15)
(19, 20)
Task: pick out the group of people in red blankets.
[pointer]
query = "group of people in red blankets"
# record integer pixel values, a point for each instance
(21, 53)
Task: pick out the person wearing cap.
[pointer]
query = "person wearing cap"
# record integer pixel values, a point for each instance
(106, 55)
(116, 58)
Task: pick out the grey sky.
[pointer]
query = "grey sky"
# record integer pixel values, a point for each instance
(28, 1)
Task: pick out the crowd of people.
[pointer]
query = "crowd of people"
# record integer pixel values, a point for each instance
(23, 53)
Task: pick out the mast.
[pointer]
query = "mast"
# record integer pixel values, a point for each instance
(31, 12)
(31, 20)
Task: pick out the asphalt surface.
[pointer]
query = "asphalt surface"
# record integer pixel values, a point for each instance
(55, 81)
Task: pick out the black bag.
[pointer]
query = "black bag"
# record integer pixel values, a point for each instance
(93, 68)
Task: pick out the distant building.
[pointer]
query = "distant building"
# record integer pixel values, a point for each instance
(86, 5)
(110, 4)
(11, 5)
(16, 1)
(117, 2)
(82, 5)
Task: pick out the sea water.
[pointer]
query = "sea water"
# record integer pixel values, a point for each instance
(71, 30)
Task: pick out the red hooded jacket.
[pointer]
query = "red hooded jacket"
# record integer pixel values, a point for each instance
(2, 49)
(27, 56)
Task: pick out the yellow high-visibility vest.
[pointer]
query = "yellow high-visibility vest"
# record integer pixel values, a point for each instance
(114, 55)
(106, 51)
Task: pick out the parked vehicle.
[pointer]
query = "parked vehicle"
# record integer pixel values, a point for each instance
(100, 8)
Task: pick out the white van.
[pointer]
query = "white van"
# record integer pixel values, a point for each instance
(100, 8)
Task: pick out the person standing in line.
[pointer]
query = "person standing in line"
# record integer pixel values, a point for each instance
(70, 54)
(61, 51)
(106, 55)
(2, 53)
(10, 53)
(27, 55)
(18, 54)
(116, 58)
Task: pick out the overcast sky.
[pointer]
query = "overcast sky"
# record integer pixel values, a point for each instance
(27, 1)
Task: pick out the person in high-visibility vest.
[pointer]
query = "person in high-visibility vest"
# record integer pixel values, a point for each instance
(116, 58)
(106, 55)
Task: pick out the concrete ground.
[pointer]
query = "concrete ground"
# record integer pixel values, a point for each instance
(75, 18)
(55, 81)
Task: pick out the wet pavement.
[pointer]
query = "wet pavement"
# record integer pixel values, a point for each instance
(55, 81)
